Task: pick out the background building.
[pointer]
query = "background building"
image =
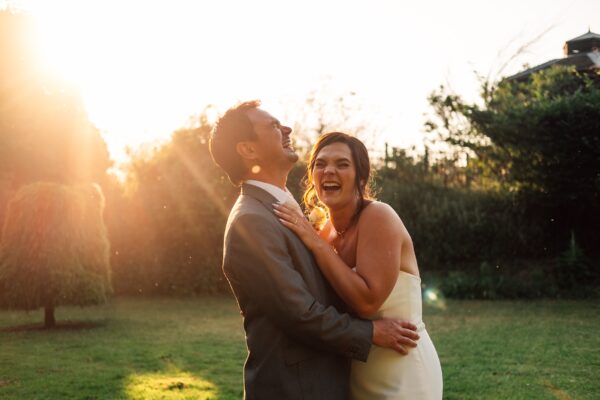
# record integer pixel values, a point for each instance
(583, 52)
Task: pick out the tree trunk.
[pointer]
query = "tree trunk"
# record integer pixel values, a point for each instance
(49, 321)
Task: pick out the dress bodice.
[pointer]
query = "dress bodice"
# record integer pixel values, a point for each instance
(404, 302)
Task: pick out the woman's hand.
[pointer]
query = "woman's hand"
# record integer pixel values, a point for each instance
(291, 216)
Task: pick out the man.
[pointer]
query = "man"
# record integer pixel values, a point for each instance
(299, 344)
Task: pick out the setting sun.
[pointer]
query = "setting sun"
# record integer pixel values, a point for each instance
(128, 62)
(144, 67)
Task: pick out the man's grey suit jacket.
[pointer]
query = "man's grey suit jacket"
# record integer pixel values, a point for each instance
(299, 345)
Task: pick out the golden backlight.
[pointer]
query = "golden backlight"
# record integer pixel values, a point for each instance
(135, 63)
(144, 67)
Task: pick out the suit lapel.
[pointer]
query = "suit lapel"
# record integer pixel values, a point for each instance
(267, 200)
(259, 194)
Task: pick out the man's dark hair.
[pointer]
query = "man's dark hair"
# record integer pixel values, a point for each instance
(233, 127)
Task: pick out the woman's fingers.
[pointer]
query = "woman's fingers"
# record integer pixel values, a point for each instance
(288, 224)
(287, 213)
(296, 221)
(288, 208)
(288, 220)
(284, 215)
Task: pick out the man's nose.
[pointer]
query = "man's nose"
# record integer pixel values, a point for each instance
(286, 130)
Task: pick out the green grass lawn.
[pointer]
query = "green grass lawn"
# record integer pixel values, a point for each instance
(194, 349)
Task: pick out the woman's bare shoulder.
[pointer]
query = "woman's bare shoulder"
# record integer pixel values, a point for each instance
(378, 209)
(379, 216)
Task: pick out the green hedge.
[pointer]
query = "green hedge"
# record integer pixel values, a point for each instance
(488, 244)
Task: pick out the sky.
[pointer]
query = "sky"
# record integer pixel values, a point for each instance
(145, 67)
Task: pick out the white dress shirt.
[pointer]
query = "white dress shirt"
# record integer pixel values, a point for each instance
(282, 196)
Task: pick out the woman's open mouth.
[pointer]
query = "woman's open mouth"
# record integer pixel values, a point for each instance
(330, 187)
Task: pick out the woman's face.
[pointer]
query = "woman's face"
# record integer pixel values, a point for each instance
(334, 176)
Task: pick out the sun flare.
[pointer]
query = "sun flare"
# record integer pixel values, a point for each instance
(133, 63)
(144, 67)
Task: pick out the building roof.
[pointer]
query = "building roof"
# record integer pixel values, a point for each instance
(589, 60)
(588, 35)
(582, 61)
(530, 71)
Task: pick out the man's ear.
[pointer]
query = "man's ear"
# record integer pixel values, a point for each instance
(247, 150)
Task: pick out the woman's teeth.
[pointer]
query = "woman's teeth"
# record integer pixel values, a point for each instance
(329, 187)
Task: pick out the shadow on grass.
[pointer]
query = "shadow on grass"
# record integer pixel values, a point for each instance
(5, 382)
(60, 326)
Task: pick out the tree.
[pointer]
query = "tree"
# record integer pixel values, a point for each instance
(167, 230)
(54, 249)
(327, 109)
(540, 138)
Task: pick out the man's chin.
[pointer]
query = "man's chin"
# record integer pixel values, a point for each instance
(292, 157)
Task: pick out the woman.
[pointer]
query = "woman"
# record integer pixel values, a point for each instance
(366, 254)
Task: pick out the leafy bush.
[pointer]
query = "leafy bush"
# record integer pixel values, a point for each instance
(167, 230)
(529, 279)
(573, 270)
(539, 137)
(453, 227)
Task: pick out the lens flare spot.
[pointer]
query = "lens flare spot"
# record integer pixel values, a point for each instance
(434, 298)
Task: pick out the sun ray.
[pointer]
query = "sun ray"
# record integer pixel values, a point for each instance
(199, 178)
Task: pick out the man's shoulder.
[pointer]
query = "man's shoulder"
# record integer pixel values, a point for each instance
(251, 228)
(250, 212)
(248, 205)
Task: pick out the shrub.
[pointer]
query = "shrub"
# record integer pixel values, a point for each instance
(525, 279)
(573, 270)
(54, 249)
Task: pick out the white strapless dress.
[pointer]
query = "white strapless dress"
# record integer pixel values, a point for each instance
(389, 375)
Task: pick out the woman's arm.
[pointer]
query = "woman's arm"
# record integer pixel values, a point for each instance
(380, 238)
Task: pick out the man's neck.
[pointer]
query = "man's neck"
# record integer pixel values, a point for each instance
(278, 180)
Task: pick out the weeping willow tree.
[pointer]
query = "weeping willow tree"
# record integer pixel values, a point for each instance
(54, 249)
